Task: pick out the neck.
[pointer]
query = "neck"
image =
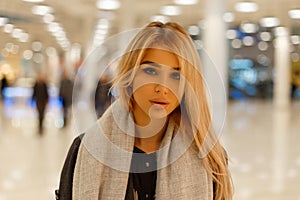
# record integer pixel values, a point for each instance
(148, 138)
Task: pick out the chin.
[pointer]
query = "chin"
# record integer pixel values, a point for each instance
(159, 115)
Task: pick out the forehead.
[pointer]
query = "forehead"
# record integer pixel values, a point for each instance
(162, 57)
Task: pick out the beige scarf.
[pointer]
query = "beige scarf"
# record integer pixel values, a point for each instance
(104, 158)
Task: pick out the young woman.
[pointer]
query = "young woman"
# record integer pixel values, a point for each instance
(156, 140)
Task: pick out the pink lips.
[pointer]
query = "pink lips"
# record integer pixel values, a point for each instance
(159, 102)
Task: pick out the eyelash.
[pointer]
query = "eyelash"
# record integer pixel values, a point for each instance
(151, 71)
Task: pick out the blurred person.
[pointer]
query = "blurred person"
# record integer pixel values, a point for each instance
(66, 94)
(160, 144)
(295, 79)
(40, 96)
(102, 95)
(4, 85)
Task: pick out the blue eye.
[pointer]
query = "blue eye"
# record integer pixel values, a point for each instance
(149, 70)
(175, 75)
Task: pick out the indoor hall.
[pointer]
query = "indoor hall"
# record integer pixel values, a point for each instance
(251, 63)
(262, 144)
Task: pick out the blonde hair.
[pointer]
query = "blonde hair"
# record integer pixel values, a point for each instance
(173, 38)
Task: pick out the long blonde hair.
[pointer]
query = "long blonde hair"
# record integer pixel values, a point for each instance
(172, 37)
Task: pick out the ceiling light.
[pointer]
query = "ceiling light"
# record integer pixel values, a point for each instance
(280, 31)
(246, 7)
(54, 27)
(15, 49)
(265, 36)
(294, 13)
(159, 18)
(101, 31)
(24, 37)
(193, 30)
(41, 10)
(228, 17)
(269, 22)
(27, 54)
(48, 18)
(295, 57)
(170, 10)
(8, 28)
(263, 46)
(185, 2)
(295, 39)
(249, 27)
(34, 1)
(248, 41)
(108, 4)
(3, 21)
(103, 24)
(236, 43)
(106, 14)
(231, 34)
(16, 33)
(36, 46)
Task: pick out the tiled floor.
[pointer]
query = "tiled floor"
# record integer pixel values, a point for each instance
(262, 143)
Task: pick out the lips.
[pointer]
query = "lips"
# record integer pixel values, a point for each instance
(159, 102)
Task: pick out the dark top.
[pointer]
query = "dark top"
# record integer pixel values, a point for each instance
(40, 94)
(66, 91)
(142, 176)
(143, 183)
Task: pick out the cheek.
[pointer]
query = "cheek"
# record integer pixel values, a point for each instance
(141, 92)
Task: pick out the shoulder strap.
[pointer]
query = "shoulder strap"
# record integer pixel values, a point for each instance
(66, 178)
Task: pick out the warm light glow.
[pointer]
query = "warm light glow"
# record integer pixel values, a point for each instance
(48, 18)
(108, 4)
(8, 28)
(228, 17)
(185, 2)
(231, 34)
(248, 41)
(16, 33)
(159, 18)
(41, 10)
(27, 54)
(294, 13)
(295, 39)
(36, 46)
(269, 22)
(265, 36)
(3, 21)
(246, 7)
(34, 1)
(236, 43)
(249, 27)
(280, 31)
(24, 37)
(263, 46)
(170, 10)
(193, 30)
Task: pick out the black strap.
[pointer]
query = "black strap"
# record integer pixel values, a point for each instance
(66, 178)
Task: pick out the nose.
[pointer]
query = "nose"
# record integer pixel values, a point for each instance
(160, 89)
(162, 83)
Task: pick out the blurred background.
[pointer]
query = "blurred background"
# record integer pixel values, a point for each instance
(255, 48)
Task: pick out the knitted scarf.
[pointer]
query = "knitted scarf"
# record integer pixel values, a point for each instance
(104, 158)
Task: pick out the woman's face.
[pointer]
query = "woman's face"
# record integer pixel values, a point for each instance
(155, 86)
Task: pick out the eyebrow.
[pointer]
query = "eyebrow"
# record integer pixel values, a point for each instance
(154, 64)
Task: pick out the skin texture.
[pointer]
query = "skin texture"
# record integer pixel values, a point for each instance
(155, 94)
